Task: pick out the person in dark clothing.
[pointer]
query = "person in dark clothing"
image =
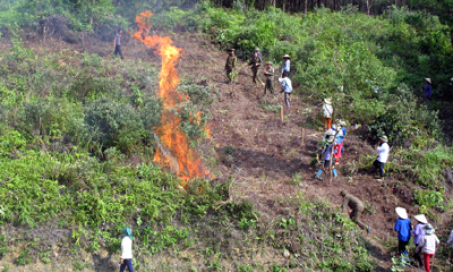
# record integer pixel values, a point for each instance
(427, 89)
(269, 73)
(117, 44)
(230, 64)
(357, 208)
(255, 64)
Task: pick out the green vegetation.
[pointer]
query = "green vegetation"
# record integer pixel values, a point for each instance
(77, 139)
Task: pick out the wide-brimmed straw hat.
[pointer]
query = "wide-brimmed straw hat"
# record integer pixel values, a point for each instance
(428, 79)
(257, 49)
(421, 218)
(231, 49)
(428, 229)
(328, 100)
(269, 63)
(286, 56)
(384, 138)
(401, 212)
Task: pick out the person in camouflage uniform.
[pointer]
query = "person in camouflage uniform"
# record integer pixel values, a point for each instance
(357, 208)
(269, 74)
(230, 64)
(255, 65)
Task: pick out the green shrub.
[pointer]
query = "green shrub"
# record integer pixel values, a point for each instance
(113, 124)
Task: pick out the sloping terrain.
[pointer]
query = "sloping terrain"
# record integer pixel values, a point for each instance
(269, 161)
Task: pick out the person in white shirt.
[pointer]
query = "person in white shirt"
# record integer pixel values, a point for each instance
(428, 244)
(383, 150)
(450, 241)
(327, 113)
(286, 88)
(126, 250)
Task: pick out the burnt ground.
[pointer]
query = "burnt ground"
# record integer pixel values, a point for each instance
(269, 159)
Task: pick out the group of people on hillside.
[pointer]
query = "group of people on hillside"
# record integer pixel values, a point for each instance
(426, 242)
(255, 63)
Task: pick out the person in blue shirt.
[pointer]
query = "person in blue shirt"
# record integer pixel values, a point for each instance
(403, 227)
(286, 64)
(427, 90)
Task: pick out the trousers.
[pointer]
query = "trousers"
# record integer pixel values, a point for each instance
(380, 165)
(426, 259)
(128, 263)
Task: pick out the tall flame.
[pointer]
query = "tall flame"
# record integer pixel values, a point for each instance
(174, 149)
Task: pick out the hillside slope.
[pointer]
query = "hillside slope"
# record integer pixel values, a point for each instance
(269, 161)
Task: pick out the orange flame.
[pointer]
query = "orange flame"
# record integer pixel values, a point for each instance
(179, 156)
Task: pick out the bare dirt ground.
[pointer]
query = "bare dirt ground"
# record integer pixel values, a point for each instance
(269, 159)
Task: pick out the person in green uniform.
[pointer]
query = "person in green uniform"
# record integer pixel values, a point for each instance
(230, 64)
(255, 65)
(357, 208)
(269, 74)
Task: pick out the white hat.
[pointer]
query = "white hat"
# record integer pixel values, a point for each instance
(421, 218)
(329, 132)
(451, 79)
(401, 212)
(428, 79)
(328, 100)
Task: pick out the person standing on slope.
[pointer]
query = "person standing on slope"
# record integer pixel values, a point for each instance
(427, 246)
(255, 65)
(383, 150)
(286, 88)
(357, 208)
(126, 250)
(327, 113)
(418, 234)
(230, 64)
(286, 64)
(269, 74)
(427, 89)
(403, 227)
(117, 44)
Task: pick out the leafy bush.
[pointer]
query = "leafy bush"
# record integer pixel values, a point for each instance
(113, 124)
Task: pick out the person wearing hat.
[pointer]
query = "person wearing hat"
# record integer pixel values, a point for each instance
(286, 64)
(327, 113)
(357, 208)
(403, 227)
(255, 65)
(257, 50)
(269, 74)
(330, 137)
(230, 64)
(427, 89)
(383, 150)
(287, 88)
(126, 250)
(427, 246)
(418, 234)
